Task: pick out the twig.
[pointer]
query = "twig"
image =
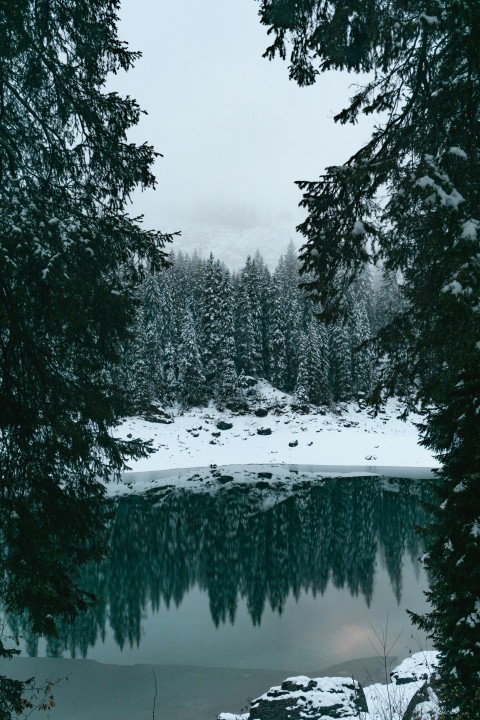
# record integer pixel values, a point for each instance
(155, 696)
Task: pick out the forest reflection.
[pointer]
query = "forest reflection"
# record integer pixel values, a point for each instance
(252, 542)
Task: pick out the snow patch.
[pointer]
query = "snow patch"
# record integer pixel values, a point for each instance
(358, 228)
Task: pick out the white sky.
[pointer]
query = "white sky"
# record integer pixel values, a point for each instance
(234, 131)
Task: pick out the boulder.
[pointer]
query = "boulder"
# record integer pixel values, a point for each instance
(262, 485)
(261, 412)
(293, 444)
(159, 419)
(422, 702)
(419, 666)
(264, 431)
(223, 425)
(303, 698)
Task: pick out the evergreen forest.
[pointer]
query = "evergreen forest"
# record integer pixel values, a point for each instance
(203, 331)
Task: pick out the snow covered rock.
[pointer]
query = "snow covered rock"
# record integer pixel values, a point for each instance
(419, 666)
(409, 696)
(424, 705)
(305, 698)
(264, 431)
(222, 425)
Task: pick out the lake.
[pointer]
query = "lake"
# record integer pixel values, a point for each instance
(226, 584)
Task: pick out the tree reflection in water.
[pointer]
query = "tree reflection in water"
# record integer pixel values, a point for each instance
(258, 543)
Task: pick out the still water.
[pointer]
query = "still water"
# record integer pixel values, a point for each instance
(293, 576)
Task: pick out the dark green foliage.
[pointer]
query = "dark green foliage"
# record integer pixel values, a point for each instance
(312, 384)
(191, 378)
(251, 323)
(70, 260)
(410, 196)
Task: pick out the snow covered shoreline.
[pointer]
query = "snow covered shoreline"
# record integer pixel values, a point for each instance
(347, 437)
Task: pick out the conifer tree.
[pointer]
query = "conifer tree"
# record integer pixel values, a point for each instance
(341, 363)
(218, 344)
(191, 379)
(312, 378)
(277, 337)
(248, 346)
(70, 262)
(226, 385)
(362, 354)
(411, 195)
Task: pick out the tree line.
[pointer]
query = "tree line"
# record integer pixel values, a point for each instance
(202, 331)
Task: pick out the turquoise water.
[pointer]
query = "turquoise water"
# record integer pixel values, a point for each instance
(266, 575)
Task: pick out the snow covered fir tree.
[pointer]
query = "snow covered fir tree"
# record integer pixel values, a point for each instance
(202, 331)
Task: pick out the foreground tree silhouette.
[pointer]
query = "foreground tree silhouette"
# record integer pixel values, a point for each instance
(410, 199)
(70, 260)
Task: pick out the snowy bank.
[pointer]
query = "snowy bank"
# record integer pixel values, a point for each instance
(348, 436)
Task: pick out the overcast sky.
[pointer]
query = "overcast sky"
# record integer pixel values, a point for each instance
(234, 131)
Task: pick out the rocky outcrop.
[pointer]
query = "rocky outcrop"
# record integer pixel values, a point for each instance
(303, 698)
(340, 698)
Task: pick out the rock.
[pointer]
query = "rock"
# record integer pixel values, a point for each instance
(293, 444)
(301, 409)
(222, 425)
(419, 666)
(266, 475)
(216, 434)
(262, 485)
(414, 709)
(225, 479)
(212, 442)
(156, 410)
(261, 412)
(264, 431)
(303, 698)
(129, 435)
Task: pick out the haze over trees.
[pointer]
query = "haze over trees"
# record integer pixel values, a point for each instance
(410, 199)
(70, 262)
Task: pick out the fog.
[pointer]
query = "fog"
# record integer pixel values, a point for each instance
(235, 132)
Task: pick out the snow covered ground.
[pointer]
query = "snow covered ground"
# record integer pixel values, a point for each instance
(346, 436)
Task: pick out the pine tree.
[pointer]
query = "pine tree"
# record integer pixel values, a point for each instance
(191, 380)
(226, 386)
(312, 379)
(362, 354)
(411, 195)
(248, 347)
(277, 337)
(70, 262)
(218, 344)
(341, 362)
(288, 276)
